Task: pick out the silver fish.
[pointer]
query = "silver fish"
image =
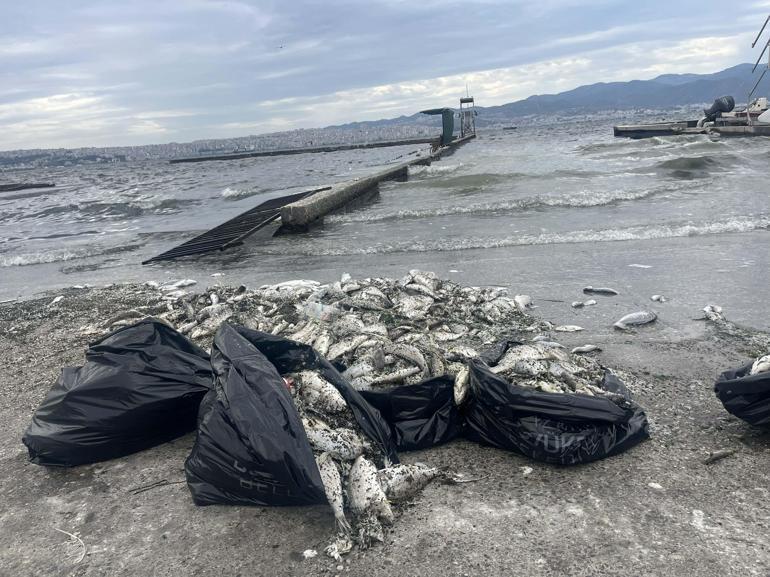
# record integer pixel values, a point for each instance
(401, 482)
(462, 379)
(600, 291)
(568, 328)
(585, 349)
(395, 377)
(343, 444)
(330, 477)
(343, 347)
(523, 302)
(635, 319)
(658, 298)
(317, 392)
(761, 365)
(408, 353)
(365, 495)
(713, 313)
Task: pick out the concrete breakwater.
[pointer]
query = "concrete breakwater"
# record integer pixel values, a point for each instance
(299, 215)
(304, 150)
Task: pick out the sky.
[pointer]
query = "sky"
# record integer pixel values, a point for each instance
(100, 73)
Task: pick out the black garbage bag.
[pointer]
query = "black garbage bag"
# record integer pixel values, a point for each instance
(251, 448)
(139, 387)
(557, 428)
(420, 416)
(745, 396)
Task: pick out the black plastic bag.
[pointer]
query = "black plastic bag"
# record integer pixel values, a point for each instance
(251, 448)
(557, 428)
(139, 387)
(745, 396)
(420, 416)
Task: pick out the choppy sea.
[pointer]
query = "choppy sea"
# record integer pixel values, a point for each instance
(544, 210)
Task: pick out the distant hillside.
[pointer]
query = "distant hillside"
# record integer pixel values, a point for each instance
(662, 92)
(665, 91)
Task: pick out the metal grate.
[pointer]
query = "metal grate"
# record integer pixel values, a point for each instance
(234, 231)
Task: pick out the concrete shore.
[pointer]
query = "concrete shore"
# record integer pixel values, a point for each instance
(655, 510)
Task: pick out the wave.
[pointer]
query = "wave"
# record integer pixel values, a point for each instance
(90, 209)
(673, 230)
(237, 193)
(692, 163)
(433, 169)
(582, 199)
(62, 255)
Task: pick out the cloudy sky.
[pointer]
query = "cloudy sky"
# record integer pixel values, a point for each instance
(79, 73)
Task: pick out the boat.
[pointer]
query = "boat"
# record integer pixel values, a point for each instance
(720, 118)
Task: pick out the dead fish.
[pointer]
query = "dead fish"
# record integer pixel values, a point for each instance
(401, 482)
(658, 298)
(343, 444)
(635, 319)
(322, 343)
(462, 378)
(761, 365)
(577, 304)
(523, 302)
(332, 482)
(713, 313)
(421, 289)
(530, 367)
(395, 377)
(568, 328)
(343, 347)
(585, 349)
(365, 495)
(319, 393)
(589, 303)
(461, 353)
(171, 286)
(600, 291)
(347, 325)
(408, 353)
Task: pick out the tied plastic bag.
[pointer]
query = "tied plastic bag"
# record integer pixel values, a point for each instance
(251, 448)
(139, 387)
(745, 395)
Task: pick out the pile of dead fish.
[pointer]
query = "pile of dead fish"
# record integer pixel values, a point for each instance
(387, 332)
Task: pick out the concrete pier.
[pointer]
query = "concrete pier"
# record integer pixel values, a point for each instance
(306, 150)
(299, 215)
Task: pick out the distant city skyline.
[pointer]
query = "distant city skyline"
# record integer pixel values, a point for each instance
(131, 73)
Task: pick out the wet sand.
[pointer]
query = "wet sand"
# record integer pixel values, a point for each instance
(655, 510)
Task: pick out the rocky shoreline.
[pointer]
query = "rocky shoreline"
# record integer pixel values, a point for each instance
(653, 510)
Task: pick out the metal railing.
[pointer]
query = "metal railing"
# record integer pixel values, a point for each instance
(764, 49)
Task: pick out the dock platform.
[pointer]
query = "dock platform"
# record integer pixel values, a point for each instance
(688, 127)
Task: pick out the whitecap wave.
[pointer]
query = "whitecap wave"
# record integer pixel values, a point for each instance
(672, 230)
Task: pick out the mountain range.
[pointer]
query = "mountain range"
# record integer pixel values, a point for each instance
(665, 91)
